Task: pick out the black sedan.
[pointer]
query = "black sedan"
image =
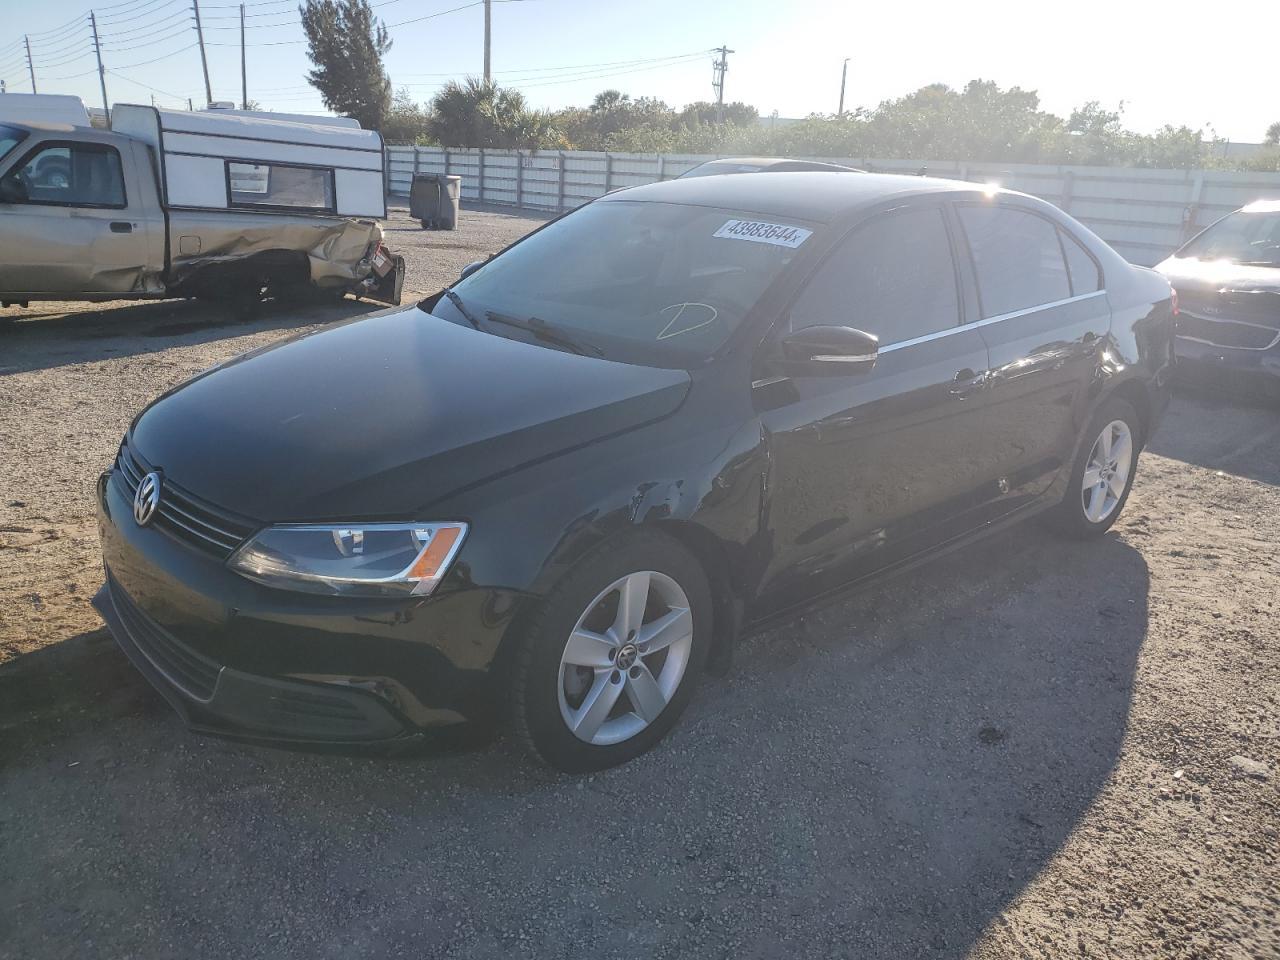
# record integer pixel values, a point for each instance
(1228, 283)
(561, 489)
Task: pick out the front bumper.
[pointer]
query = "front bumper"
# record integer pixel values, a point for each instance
(1250, 374)
(212, 698)
(239, 659)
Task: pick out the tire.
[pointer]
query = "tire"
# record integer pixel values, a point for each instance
(625, 694)
(1087, 512)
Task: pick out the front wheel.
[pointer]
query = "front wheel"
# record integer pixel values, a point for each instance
(613, 656)
(1103, 473)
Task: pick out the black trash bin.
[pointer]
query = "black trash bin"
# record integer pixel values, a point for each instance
(433, 200)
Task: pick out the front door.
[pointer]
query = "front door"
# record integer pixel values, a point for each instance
(67, 224)
(870, 468)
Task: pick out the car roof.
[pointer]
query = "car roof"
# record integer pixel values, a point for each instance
(807, 195)
(1262, 206)
(756, 164)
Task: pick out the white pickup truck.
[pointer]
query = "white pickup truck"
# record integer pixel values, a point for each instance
(217, 204)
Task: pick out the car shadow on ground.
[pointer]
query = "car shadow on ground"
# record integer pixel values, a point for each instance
(879, 778)
(1245, 439)
(89, 332)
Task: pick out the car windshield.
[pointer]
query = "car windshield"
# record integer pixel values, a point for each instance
(10, 137)
(1252, 238)
(654, 283)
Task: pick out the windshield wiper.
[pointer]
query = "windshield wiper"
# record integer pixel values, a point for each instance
(462, 308)
(541, 331)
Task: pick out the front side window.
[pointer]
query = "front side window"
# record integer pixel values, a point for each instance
(10, 137)
(656, 283)
(71, 175)
(279, 185)
(1017, 258)
(1249, 238)
(893, 278)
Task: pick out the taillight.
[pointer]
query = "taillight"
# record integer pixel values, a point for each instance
(1174, 299)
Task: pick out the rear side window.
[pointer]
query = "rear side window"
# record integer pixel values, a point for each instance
(1017, 258)
(279, 185)
(893, 277)
(1085, 275)
(71, 175)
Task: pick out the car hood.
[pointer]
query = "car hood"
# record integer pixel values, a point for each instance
(1206, 275)
(378, 418)
(1226, 291)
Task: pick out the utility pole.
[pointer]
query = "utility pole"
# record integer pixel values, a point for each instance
(204, 62)
(244, 73)
(844, 71)
(102, 72)
(720, 68)
(488, 38)
(30, 66)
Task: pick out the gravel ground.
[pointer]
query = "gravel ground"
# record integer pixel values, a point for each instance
(1036, 749)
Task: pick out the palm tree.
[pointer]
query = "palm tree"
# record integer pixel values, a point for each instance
(479, 113)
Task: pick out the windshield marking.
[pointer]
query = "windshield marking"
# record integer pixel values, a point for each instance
(666, 333)
(757, 231)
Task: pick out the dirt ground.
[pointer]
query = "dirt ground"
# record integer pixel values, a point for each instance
(1033, 749)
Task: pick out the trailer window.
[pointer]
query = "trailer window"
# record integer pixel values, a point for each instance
(279, 185)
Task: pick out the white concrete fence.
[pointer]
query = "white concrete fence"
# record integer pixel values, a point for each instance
(1144, 214)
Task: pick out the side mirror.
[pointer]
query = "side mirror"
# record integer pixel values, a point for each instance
(823, 351)
(471, 268)
(12, 191)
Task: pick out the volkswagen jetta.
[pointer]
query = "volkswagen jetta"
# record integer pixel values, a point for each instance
(559, 490)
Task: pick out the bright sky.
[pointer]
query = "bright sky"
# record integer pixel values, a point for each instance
(1192, 65)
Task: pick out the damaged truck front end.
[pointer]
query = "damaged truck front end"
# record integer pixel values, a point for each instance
(242, 255)
(213, 204)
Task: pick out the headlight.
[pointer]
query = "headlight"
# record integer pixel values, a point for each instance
(357, 559)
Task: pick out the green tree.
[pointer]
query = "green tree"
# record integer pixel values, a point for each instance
(479, 113)
(1272, 139)
(703, 111)
(346, 43)
(407, 120)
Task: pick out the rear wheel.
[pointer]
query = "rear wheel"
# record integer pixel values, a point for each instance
(614, 655)
(1103, 473)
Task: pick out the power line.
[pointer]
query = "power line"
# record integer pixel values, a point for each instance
(181, 31)
(166, 56)
(147, 86)
(575, 66)
(150, 26)
(147, 9)
(603, 75)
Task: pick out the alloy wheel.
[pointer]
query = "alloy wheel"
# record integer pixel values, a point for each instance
(625, 658)
(1107, 472)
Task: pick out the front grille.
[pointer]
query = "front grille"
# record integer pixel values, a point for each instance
(185, 516)
(1236, 334)
(194, 674)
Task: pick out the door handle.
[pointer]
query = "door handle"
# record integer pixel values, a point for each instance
(967, 382)
(121, 226)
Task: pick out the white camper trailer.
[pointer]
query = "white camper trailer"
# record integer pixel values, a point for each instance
(178, 203)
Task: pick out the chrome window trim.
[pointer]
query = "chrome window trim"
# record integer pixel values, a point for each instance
(989, 320)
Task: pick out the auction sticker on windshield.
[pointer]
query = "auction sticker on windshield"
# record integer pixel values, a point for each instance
(779, 234)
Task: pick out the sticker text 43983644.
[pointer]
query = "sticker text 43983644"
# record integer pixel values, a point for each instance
(757, 231)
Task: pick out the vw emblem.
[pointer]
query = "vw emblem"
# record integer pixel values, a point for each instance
(146, 499)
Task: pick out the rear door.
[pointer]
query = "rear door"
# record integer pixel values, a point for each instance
(870, 468)
(74, 224)
(1044, 318)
